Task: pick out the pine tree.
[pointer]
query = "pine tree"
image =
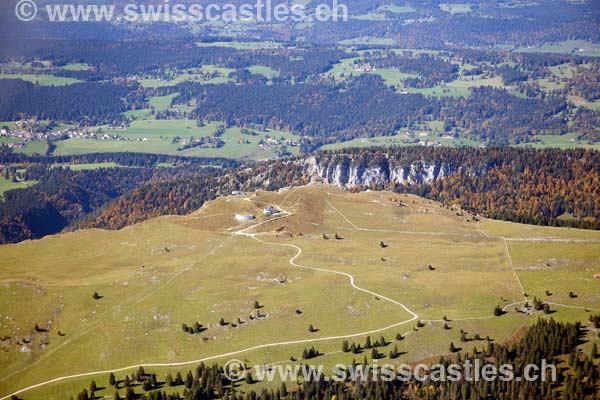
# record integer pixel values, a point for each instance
(594, 351)
(189, 380)
(130, 394)
(374, 354)
(345, 346)
(147, 385)
(547, 309)
(111, 379)
(197, 327)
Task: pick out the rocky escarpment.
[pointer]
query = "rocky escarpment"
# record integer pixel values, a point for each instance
(381, 171)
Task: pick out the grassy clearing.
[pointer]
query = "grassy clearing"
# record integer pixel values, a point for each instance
(393, 8)
(172, 270)
(236, 147)
(43, 80)
(343, 69)
(580, 47)
(158, 136)
(32, 148)
(162, 103)
(77, 67)
(393, 77)
(567, 141)
(242, 45)
(91, 166)
(385, 12)
(194, 75)
(399, 139)
(372, 16)
(366, 40)
(6, 185)
(581, 102)
(267, 72)
(457, 88)
(456, 8)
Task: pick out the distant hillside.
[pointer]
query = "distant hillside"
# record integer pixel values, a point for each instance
(549, 187)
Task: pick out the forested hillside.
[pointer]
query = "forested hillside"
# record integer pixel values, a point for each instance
(64, 195)
(540, 187)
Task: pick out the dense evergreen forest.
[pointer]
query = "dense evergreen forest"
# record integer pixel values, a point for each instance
(83, 103)
(553, 341)
(364, 107)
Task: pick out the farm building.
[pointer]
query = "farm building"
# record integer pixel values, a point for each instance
(270, 210)
(597, 276)
(244, 217)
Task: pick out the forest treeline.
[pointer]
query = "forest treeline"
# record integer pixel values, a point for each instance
(116, 59)
(83, 103)
(544, 187)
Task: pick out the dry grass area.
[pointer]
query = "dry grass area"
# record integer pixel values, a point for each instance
(155, 276)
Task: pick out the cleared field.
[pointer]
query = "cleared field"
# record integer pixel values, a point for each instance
(194, 75)
(366, 40)
(456, 8)
(567, 141)
(255, 45)
(580, 47)
(155, 276)
(6, 185)
(91, 166)
(43, 80)
(393, 8)
(459, 87)
(30, 148)
(160, 136)
(398, 140)
(393, 76)
(267, 72)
